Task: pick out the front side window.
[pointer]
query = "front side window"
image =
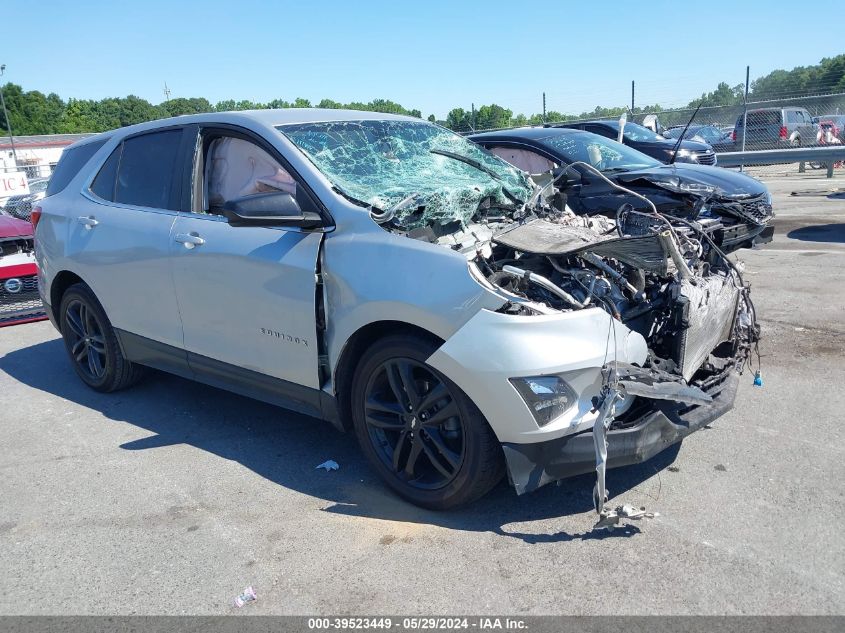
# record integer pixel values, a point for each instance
(524, 159)
(235, 168)
(437, 175)
(601, 153)
(146, 171)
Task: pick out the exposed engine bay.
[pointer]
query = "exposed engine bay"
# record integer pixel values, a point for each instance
(661, 276)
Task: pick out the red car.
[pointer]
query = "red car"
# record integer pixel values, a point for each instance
(19, 299)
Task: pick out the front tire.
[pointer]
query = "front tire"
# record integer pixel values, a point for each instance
(91, 342)
(420, 432)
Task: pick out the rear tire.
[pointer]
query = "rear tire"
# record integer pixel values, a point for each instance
(91, 342)
(439, 455)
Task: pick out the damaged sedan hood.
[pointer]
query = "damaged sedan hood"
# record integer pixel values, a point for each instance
(700, 180)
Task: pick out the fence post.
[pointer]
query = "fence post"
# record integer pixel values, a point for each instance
(632, 96)
(745, 113)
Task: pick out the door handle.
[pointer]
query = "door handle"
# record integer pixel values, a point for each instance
(189, 240)
(88, 222)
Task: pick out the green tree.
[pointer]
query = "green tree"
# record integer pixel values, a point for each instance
(181, 105)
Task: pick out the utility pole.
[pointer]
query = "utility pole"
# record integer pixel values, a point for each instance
(472, 125)
(6, 117)
(544, 107)
(166, 92)
(745, 112)
(632, 96)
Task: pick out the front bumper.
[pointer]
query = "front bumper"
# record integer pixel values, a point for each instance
(531, 466)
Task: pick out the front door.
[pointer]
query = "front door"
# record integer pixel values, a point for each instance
(246, 294)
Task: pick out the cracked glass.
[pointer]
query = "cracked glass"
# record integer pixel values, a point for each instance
(382, 163)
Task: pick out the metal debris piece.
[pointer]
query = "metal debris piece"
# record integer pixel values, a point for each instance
(609, 395)
(247, 595)
(328, 465)
(609, 519)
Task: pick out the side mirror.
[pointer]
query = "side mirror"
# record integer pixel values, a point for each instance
(269, 209)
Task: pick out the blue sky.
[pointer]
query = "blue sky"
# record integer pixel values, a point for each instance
(429, 55)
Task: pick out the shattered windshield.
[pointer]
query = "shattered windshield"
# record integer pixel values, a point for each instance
(600, 152)
(383, 163)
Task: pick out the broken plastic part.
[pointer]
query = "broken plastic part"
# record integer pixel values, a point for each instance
(609, 519)
(247, 595)
(609, 395)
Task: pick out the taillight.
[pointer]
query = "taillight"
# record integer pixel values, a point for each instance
(733, 136)
(782, 132)
(34, 217)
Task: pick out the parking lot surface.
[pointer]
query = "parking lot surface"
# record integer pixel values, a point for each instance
(171, 497)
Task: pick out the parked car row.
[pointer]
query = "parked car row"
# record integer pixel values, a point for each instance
(767, 128)
(465, 319)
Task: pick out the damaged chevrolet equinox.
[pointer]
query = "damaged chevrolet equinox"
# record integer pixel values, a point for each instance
(387, 275)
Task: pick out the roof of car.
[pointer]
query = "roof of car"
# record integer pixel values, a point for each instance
(610, 123)
(535, 133)
(272, 118)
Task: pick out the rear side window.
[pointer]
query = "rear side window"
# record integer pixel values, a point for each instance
(70, 163)
(765, 117)
(103, 185)
(145, 175)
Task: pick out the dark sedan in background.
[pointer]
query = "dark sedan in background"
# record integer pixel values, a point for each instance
(734, 209)
(717, 139)
(648, 142)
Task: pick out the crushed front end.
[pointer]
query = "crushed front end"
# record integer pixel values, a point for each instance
(620, 337)
(662, 278)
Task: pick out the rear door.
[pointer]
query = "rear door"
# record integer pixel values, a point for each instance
(119, 238)
(246, 294)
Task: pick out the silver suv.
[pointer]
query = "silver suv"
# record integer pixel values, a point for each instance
(775, 128)
(392, 277)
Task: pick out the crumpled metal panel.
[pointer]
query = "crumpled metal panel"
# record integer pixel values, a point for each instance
(711, 311)
(380, 163)
(548, 238)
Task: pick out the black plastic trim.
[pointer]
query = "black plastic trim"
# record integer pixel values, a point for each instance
(531, 466)
(252, 384)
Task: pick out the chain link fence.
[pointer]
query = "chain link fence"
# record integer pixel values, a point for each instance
(777, 123)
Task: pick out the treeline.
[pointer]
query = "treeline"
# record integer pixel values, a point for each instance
(33, 112)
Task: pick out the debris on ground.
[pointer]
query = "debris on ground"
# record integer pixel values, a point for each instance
(328, 465)
(609, 519)
(247, 595)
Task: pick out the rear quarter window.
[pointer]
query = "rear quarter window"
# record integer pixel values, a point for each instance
(768, 117)
(71, 162)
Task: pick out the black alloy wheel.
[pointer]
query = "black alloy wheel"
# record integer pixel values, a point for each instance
(414, 423)
(91, 342)
(86, 342)
(423, 435)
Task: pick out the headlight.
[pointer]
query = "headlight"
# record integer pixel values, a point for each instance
(548, 397)
(767, 197)
(683, 153)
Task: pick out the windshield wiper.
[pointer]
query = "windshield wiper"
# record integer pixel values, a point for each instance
(479, 166)
(469, 161)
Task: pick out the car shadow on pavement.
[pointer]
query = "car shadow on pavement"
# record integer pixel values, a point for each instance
(285, 448)
(834, 233)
